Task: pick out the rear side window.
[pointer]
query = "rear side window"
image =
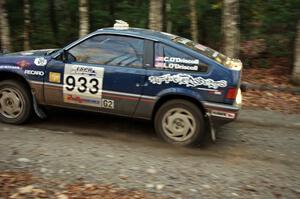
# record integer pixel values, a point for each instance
(110, 50)
(169, 58)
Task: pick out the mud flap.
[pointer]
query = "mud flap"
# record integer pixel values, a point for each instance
(211, 127)
(39, 112)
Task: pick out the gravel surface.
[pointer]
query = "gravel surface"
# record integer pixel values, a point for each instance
(252, 159)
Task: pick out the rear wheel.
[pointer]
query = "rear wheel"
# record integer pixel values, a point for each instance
(15, 102)
(180, 122)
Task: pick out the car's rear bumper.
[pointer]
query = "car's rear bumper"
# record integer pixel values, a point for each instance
(221, 114)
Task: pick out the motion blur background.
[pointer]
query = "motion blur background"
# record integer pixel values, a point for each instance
(264, 29)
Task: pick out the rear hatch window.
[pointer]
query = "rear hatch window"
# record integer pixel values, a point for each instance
(234, 64)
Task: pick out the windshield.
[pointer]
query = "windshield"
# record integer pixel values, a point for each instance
(208, 52)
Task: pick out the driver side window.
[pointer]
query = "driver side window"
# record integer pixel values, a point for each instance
(109, 50)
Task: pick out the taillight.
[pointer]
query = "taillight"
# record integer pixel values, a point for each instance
(231, 93)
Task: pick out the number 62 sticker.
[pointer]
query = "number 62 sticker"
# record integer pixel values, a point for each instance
(108, 104)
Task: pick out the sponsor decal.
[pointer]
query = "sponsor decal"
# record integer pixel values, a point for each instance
(23, 63)
(79, 100)
(215, 54)
(83, 70)
(223, 114)
(178, 60)
(215, 92)
(187, 80)
(9, 67)
(110, 104)
(54, 77)
(40, 61)
(177, 63)
(201, 47)
(34, 72)
(85, 82)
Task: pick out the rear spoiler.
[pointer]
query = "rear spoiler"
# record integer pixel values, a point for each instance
(234, 64)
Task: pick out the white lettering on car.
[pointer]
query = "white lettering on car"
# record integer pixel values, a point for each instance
(9, 67)
(187, 80)
(223, 114)
(177, 63)
(34, 72)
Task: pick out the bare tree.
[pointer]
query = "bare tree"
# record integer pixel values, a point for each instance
(4, 28)
(231, 32)
(168, 18)
(53, 20)
(194, 20)
(296, 70)
(156, 15)
(27, 25)
(83, 18)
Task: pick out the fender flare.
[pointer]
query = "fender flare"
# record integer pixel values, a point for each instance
(184, 93)
(19, 73)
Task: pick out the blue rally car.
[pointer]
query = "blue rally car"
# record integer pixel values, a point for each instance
(187, 89)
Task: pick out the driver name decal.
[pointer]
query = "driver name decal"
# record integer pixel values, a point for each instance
(187, 80)
(177, 63)
(83, 85)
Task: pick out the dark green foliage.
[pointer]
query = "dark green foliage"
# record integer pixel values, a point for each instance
(55, 22)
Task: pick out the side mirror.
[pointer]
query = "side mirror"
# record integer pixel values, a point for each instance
(65, 56)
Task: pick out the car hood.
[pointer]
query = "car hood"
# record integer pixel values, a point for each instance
(26, 59)
(41, 52)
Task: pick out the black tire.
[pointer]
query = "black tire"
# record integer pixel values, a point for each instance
(24, 97)
(187, 107)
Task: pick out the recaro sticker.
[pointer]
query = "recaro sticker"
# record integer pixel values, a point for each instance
(34, 72)
(83, 85)
(187, 80)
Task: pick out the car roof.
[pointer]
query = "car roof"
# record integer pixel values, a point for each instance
(139, 32)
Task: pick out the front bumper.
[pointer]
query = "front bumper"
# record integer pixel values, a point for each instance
(221, 114)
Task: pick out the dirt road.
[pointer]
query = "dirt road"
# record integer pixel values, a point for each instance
(255, 157)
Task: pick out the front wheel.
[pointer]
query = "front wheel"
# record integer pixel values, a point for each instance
(180, 122)
(15, 102)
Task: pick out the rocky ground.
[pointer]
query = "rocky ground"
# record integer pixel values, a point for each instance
(74, 152)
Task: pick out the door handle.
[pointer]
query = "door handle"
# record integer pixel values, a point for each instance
(139, 85)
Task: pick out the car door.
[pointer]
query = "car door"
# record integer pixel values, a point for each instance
(102, 73)
(170, 71)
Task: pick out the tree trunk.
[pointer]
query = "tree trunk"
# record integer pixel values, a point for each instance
(168, 18)
(155, 15)
(231, 33)
(112, 10)
(194, 20)
(296, 69)
(83, 18)
(53, 21)
(4, 28)
(27, 25)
